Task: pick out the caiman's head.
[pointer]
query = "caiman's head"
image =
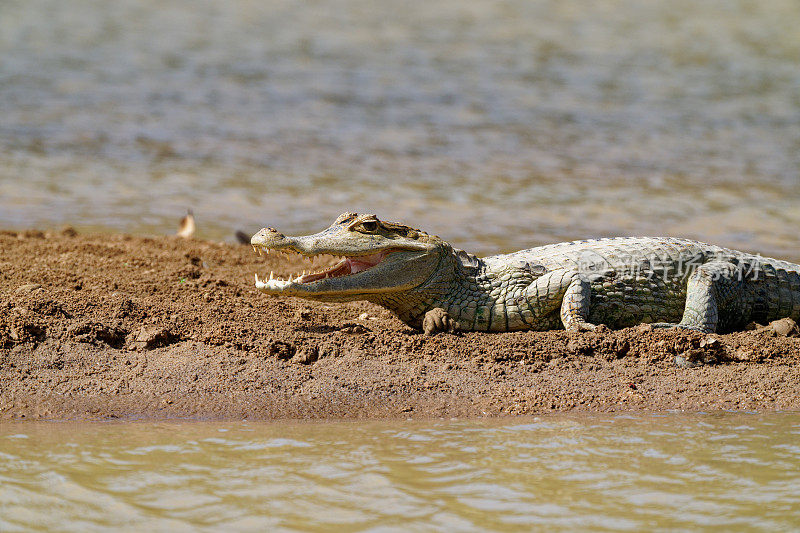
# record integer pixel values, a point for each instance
(376, 257)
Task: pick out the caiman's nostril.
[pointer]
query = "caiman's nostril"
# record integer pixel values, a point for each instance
(273, 233)
(267, 235)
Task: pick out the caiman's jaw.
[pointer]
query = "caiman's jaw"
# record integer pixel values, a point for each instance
(375, 259)
(346, 267)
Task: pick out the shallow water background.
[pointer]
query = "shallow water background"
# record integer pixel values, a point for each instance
(721, 472)
(497, 125)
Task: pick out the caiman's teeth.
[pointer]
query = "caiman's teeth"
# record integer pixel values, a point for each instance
(272, 286)
(277, 284)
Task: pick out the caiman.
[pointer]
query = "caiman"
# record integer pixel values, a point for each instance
(619, 282)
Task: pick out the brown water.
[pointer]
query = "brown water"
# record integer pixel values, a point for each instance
(720, 472)
(498, 125)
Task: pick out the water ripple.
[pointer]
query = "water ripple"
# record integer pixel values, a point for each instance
(556, 473)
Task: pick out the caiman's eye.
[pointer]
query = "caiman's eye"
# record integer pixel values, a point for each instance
(366, 224)
(370, 226)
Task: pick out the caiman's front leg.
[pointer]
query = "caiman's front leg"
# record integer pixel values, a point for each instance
(575, 305)
(565, 290)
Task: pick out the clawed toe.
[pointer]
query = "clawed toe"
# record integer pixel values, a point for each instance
(438, 320)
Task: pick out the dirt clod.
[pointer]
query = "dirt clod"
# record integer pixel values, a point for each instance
(303, 314)
(307, 356)
(93, 333)
(354, 328)
(282, 350)
(148, 338)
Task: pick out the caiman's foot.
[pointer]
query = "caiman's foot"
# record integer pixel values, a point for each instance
(586, 326)
(665, 325)
(437, 320)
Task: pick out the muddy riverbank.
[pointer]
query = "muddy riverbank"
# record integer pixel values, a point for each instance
(119, 326)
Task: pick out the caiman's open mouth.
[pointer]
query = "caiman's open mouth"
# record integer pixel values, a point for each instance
(347, 266)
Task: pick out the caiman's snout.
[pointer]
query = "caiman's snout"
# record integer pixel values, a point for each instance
(269, 239)
(266, 237)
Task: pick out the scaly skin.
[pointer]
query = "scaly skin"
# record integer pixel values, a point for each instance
(618, 282)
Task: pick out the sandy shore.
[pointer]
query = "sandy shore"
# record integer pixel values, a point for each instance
(117, 326)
